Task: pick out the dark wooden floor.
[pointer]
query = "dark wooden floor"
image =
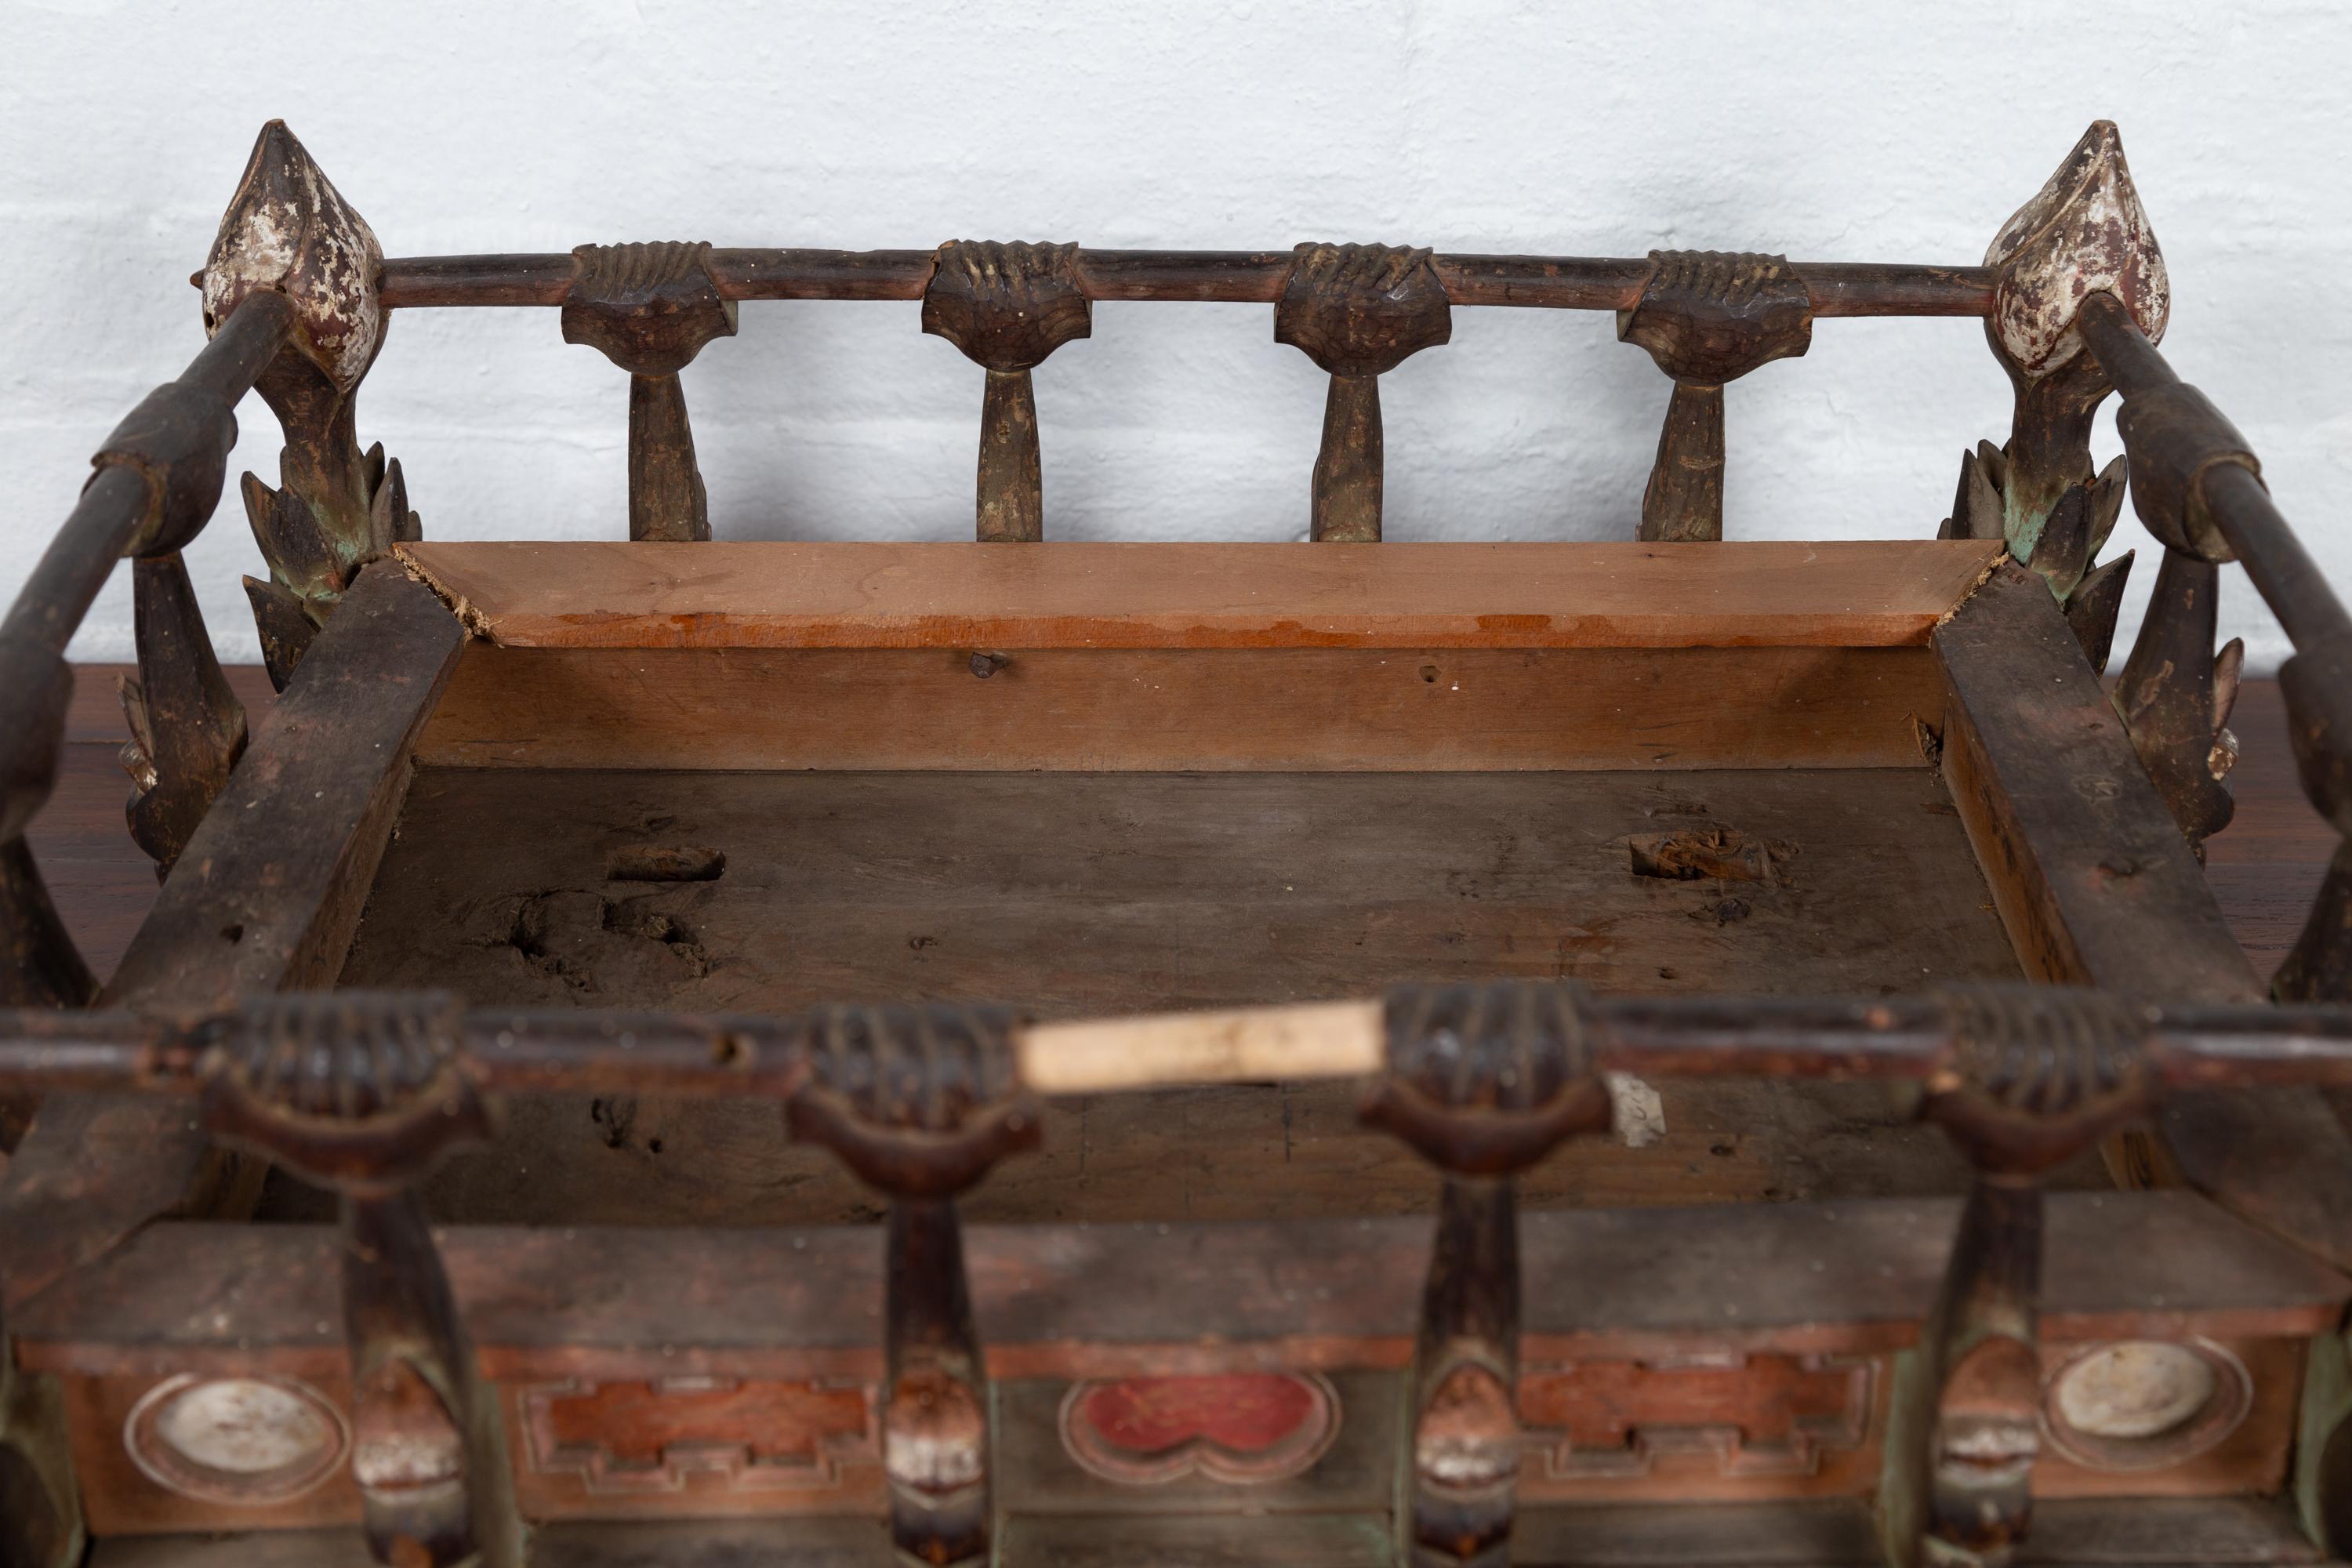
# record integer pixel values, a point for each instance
(2264, 867)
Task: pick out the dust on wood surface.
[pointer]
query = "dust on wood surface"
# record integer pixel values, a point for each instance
(1077, 894)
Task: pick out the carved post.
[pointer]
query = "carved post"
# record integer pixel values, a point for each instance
(1483, 1081)
(1359, 312)
(1707, 317)
(1007, 306)
(649, 309)
(2082, 233)
(2175, 692)
(2317, 686)
(918, 1103)
(288, 230)
(2039, 1075)
(362, 1094)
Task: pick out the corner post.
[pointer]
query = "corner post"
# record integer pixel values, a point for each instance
(919, 1102)
(288, 231)
(1357, 311)
(1707, 317)
(2084, 232)
(1483, 1081)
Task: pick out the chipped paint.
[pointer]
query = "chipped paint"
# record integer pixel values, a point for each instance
(288, 229)
(2083, 233)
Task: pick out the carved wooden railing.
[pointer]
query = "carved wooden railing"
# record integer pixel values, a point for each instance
(359, 1094)
(363, 1092)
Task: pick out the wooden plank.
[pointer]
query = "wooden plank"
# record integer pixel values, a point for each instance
(1321, 709)
(1069, 594)
(2089, 871)
(1077, 895)
(2097, 887)
(265, 898)
(1172, 1298)
(1176, 1541)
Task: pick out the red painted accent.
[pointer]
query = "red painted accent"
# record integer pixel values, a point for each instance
(1238, 1427)
(1242, 1412)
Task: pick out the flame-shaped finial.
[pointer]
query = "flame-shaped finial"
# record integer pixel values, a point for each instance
(2084, 233)
(288, 229)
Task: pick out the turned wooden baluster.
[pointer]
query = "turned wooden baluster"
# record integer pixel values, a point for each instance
(287, 231)
(1007, 306)
(918, 1103)
(2083, 233)
(649, 309)
(361, 1094)
(2039, 1075)
(1483, 1081)
(1357, 311)
(1707, 317)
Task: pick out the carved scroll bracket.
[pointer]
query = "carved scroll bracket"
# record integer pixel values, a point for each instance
(1357, 311)
(1483, 1081)
(1707, 317)
(2083, 233)
(919, 1102)
(288, 231)
(363, 1094)
(650, 308)
(2037, 1074)
(1007, 306)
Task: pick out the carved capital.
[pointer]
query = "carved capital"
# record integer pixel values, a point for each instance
(1483, 1080)
(2082, 233)
(289, 230)
(1362, 309)
(1006, 305)
(2039, 1073)
(358, 1091)
(648, 308)
(1711, 316)
(917, 1101)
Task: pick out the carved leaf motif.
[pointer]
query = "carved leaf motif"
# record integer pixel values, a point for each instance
(2083, 233)
(287, 229)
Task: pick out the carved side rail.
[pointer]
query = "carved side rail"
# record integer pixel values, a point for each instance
(361, 1093)
(2198, 486)
(1225, 277)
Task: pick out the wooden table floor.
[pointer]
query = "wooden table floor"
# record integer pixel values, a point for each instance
(2264, 868)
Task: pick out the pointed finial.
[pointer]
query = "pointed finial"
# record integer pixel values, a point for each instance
(288, 229)
(2083, 234)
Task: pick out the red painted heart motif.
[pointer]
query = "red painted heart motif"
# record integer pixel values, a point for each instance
(1241, 1427)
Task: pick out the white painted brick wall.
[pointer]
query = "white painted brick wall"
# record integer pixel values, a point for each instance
(1825, 130)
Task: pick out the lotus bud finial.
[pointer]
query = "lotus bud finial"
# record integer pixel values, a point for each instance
(2083, 233)
(289, 230)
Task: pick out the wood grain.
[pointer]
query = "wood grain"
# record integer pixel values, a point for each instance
(1172, 1298)
(1321, 709)
(610, 593)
